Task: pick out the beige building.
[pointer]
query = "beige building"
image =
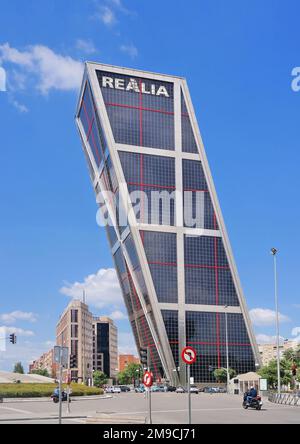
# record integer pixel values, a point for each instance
(105, 346)
(125, 360)
(74, 330)
(45, 362)
(268, 352)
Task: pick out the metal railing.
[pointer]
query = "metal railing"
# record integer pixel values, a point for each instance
(285, 398)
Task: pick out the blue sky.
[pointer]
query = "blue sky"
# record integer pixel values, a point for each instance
(237, 57)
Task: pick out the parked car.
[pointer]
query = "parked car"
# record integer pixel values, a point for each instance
(194, 389)
(211, 390)
(124, 388)
(108, 390)
(170, 388)
(116, 389)
(180, 389)
(157, 388)
(140, 389)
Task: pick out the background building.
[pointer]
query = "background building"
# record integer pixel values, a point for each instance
(268, 352)
(45, 362)
(124, 360)
(105, 346)
(74, 330)
(178, 276)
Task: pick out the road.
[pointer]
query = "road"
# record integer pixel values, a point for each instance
(168, 408)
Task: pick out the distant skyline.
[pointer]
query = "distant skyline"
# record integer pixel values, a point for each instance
(240, 70)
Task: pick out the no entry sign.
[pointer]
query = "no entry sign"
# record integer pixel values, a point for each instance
(148, 379)
(189, 355)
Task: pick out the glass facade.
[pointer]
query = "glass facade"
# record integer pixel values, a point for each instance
(137, 116)
(174, 268)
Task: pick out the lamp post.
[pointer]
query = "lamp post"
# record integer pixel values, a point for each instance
(227, 353)
(274, 252)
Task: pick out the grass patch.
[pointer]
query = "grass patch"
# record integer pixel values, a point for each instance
(43, 390)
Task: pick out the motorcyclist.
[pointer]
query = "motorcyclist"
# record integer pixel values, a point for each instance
(252, 393)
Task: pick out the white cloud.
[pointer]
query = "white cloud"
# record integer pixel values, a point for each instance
(102, 289)
(18, 331)
(25, 352)
(296, 334)
(131, 50)
(20, 107)
(265, 316)
(266, 339)
(45, 68)
(86, 46)
(126, 344)
(11, 318)
(118, 315)
(106, 15)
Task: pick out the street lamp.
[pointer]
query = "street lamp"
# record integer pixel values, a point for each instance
(274, 252)
(227, 353)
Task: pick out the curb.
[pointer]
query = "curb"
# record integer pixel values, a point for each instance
(40, 418)
(73, 398)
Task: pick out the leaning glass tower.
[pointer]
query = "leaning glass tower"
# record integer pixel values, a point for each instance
(163, 220)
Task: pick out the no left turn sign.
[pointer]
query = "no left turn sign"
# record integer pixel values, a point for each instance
(189, 355)
(148, 379)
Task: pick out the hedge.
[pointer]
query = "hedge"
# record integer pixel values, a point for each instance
(43, 390)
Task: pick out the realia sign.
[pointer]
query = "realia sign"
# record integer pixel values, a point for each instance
(134, 85)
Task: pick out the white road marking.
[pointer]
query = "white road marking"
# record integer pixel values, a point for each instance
(16, 410)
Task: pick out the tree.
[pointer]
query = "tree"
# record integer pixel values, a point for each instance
(99, 378)
(18, 368)
(131, 372)
(41, 372)
(221, 374)
(269, 372)
(290, 355)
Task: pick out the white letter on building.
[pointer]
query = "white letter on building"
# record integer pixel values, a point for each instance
(119, 83)
(107, 82)
(162, 91)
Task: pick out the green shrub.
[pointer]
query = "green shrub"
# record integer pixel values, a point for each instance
(43, 390)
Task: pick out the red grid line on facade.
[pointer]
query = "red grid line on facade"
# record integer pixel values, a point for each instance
(151, 185)
(142, 321)
(233, 344)
(217, 294)
(174, 264)
(213, 267)
(93, 138)
(140, 108)
(90, 128)
(195, 190)
(141, 155)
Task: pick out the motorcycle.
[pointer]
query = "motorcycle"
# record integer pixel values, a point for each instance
(55, 397)
(255, 403)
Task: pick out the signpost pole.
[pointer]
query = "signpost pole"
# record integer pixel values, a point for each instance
(189, 392)
(149, 388)
(60, 386)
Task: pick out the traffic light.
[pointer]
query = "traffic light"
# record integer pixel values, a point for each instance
(73, 361)
(13, 338)
(144, 356)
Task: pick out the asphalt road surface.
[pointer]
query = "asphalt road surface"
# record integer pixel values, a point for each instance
(167, 408)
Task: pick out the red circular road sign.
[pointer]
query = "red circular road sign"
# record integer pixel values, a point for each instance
(148, 379)
(189, 355)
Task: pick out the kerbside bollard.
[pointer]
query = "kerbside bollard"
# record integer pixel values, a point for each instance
(188, 356)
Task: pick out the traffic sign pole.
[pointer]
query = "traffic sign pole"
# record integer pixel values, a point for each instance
(189, 355)
(189, 393)
(149, 389)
